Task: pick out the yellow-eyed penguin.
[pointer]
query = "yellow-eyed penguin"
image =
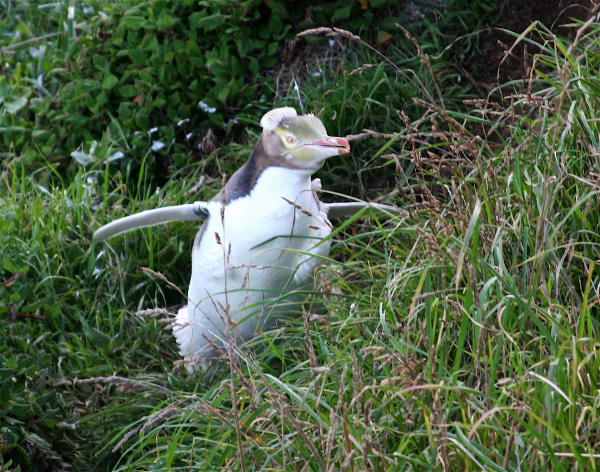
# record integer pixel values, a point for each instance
(265, 234)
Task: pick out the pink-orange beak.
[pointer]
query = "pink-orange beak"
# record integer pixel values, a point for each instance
(331, 141)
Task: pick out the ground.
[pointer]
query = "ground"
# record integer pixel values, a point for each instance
(517, 16)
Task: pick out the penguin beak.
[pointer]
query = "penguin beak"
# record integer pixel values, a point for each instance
(328, 142)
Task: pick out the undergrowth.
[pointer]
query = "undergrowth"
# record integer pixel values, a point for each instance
(159, 82)
(460, 336)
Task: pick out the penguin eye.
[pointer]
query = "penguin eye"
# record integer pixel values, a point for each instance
(290, 140)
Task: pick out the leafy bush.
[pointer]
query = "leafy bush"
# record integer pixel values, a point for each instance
(153, 74)
(32, 416)
(139, 84)
(146, 80)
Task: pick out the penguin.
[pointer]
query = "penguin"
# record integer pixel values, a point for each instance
(264, 235)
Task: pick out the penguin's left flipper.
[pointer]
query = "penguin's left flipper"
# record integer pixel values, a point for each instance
(337, 211)
(196, 211)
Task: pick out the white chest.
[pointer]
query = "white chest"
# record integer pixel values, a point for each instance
(251, 253)
(281, 212)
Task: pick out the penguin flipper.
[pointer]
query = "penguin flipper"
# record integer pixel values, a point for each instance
(196, 211)
(347, 209)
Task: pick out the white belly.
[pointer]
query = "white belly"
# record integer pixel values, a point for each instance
(252, 255)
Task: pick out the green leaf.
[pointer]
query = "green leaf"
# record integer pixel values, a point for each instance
(4, 88)
(124, 111)
(5, 393)
(13, 105)
(277, 8)
(173, 100)
(132, 22)
(342, 13)
(193, 49)
(272, 48)
(10, 266)
(5, 374)
(101, 100)
(208, 23)
(96, 337)
(224, 51)
(99, 61)
(38, 441)
(109, 82)
(223, 94)
(383, 37)
(90, 102)
(149, 25)
(89, 85)
(275, 24)
(196, 18)
(6, 227)
(253, 66)
(244, 46)
(141, 119)
(146, 77)
(149, 43)
(137, 56)
(128, 91)
(165, 20)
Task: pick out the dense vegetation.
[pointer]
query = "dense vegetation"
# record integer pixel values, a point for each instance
(461, 336)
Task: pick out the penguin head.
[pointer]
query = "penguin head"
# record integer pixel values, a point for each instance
(299, 141)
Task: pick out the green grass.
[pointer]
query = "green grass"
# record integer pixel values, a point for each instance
(462, 336)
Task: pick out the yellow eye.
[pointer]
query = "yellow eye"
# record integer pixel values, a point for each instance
(290, 140)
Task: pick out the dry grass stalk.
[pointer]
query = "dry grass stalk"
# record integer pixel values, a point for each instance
(164, 279)
(362, 68)
(330, 32)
